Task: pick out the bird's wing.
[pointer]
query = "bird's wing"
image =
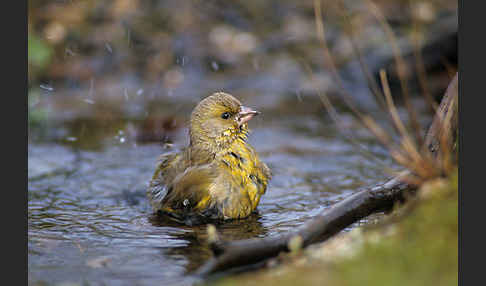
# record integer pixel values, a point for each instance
(265, 170)
(165, 172)
(190, 190)
(262, 172)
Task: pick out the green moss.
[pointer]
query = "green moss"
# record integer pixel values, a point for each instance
(422, 250)
(39, 53)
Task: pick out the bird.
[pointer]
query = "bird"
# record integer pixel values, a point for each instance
(218, 176)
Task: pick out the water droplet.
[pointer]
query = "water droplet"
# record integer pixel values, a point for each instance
(46, 87)
(128, 37)
(299, 97)
(91, 87)
(256, 64)
(87, 100)
(108, 47)
(72, 139)
(122, 140)
(69, 52)
(140, 91)
(214, 66)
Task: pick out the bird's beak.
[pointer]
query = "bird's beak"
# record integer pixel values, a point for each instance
(245, 115)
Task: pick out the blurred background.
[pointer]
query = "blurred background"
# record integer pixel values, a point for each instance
(111, 85)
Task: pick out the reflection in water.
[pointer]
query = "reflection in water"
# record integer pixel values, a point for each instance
(197, 251)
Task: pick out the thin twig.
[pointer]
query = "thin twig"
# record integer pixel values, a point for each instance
(339, 123)
(372, 84)
(400, 67)
(420, 67)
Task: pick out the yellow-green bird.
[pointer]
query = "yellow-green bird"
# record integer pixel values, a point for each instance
(219, 175)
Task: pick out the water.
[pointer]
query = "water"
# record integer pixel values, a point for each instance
(89, 220)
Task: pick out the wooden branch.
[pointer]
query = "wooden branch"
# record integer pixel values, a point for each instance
(229, 255)
(318, 229)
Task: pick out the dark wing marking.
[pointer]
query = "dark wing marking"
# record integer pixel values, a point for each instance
(190, 191)
(164, 173)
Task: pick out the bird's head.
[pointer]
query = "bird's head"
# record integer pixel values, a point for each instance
(218, 120)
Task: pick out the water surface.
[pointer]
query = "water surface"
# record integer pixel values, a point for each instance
(89, 220)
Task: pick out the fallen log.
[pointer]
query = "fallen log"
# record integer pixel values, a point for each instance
(229, 255)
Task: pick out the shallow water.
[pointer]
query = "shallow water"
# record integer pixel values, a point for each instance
(89, 220)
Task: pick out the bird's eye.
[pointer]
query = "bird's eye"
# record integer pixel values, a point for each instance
(225, 115)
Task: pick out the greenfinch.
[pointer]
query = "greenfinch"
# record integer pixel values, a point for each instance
(219, 175)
